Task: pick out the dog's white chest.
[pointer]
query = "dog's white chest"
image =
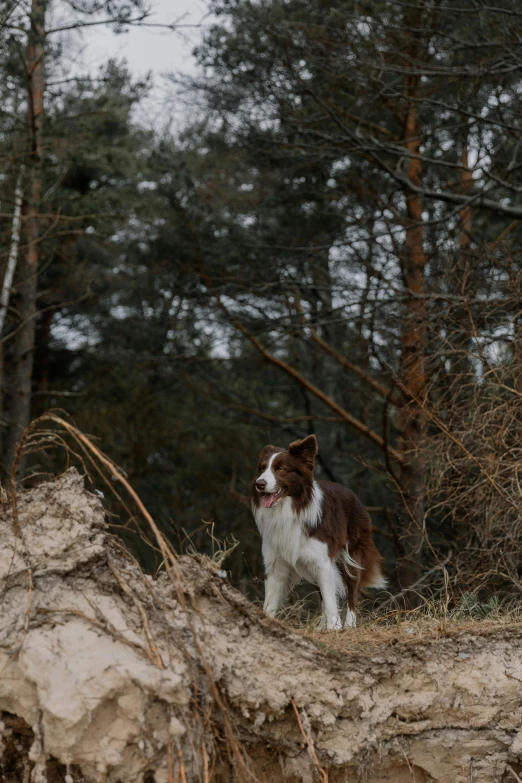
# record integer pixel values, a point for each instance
(281, 530)
(285, 533)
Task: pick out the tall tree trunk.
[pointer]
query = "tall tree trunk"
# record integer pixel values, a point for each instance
(41, 370)
(320, 367)
(7, 283)
(465, 213)
(20, 410)
(411, 419)
(463, 285)
(13, 249)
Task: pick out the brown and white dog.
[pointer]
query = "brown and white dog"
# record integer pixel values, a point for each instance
(313, 530)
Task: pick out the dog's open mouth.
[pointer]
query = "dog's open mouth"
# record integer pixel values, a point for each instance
(270, 499)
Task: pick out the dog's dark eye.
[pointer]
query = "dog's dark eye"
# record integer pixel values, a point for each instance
(279, 469)
(262, 467)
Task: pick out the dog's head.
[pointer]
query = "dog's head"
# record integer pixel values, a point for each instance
(285, 472)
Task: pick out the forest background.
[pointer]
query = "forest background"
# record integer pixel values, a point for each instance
(328, 243)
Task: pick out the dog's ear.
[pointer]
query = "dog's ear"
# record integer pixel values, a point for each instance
(305, 450)
(267, 451)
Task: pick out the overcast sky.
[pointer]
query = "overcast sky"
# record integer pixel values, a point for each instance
(147, 49)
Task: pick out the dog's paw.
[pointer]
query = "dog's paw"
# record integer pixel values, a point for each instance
(351, 620)
(334, 624)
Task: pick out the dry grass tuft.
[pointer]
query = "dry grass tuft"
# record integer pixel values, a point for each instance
(428, 623)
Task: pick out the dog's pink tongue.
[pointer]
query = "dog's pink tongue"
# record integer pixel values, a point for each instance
(267, 500)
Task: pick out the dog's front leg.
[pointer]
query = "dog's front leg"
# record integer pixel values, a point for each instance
(327, 586)
(277, 586)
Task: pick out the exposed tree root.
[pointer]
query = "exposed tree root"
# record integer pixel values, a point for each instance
(109, 675)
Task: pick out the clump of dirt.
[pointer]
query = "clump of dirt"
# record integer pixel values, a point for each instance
(78, 659)
(109, 675)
